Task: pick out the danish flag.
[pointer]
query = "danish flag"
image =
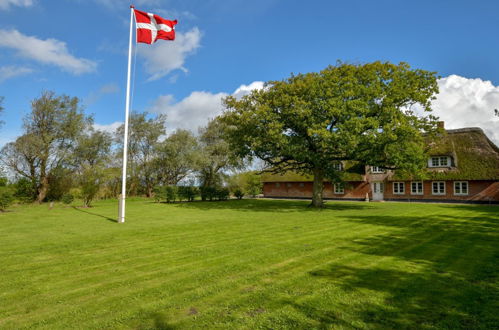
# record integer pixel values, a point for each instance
(151, 27)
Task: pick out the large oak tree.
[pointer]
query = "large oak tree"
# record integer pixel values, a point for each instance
(310, 122)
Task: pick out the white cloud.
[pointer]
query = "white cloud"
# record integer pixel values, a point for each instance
(49, 51)
(7, 72)
(246, 89)
(464, 102)
(196, 109)
(165, 56)
(5, 4)
(109, 128)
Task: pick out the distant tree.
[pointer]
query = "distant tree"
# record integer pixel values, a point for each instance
(49, 139)
(91, 156)
(215, 154)
(144, 135)
(309, 122)
(176, 157)
(6, 199)
(496, 112)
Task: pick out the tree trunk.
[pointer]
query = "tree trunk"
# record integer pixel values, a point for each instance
(317, 188)
(42, 190)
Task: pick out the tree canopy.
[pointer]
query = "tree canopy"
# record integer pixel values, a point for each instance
(347, 112)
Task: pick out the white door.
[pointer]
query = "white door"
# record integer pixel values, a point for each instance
(378, 188)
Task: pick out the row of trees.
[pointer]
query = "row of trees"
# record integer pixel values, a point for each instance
(306, 123)
(60, 150)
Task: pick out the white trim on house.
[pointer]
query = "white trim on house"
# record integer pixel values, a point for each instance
(377, 170)
(439, 185)
(463, 188)
(439, 161)
(417, 191)
(398, 188)
(338, 189)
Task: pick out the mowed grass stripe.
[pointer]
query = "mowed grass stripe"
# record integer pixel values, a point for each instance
(303, 277)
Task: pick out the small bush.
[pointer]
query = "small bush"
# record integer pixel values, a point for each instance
(171, 194)
(6, 199)
(159, 193)
(239, 194)
(208, 193)
(67, 198)
(187, 193)
(222, 194)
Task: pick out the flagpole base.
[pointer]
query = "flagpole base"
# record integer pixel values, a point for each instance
(121, 210)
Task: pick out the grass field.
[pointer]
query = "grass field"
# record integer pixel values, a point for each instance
(250, 264)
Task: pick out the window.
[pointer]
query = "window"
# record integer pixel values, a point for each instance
(339, 188)
(338, 166)
(438, 188)
(377, 169)
(301, 184)
(277, 184)
(288, 185)
(417, 188)
(461, 188)
(439, 161)
(399, 188)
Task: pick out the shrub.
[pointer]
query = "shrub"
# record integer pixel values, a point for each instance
(25, 190)
(6, 199)
(159, 193)
(171, 194)
(222, 194)
(208, 193)
(187, 192)
(67, 198)
(239, 193)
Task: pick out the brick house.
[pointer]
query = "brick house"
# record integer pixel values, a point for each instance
(463, 166)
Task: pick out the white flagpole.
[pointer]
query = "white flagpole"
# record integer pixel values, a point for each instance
(121, 216)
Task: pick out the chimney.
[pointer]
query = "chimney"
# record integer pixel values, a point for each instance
(441, 124)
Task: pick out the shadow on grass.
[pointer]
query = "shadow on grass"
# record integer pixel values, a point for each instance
(255, 205)
(432, 273)
(95, 214)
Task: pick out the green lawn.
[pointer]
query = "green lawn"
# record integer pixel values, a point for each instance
(250, 264)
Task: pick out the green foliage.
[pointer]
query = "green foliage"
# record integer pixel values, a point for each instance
(176, 157)
(6, 199)
(3, 181)
(25, 190)
(208, 193)
(238, 193)
(67, 198)
(308, 122)
(171, 194)
(188, 193)
(249, 183)
(222, 194)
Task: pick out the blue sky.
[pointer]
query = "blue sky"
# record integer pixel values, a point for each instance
(224, 47)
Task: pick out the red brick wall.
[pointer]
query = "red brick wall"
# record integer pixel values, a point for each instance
(477, 190)
(304, 189)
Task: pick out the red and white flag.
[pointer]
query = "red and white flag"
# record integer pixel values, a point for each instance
(151, 27)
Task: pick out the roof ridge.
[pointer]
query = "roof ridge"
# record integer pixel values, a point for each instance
(465, 130)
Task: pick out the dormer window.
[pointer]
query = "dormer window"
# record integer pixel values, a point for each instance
(377, 169)
(338, 166)
(439, 161)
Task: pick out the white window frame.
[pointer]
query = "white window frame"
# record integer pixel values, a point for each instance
(433, 190)
(399, 185)
(339, 189)
(460, 184)
(338, 166)
(437, 161)
(417, 190)
(377, 170)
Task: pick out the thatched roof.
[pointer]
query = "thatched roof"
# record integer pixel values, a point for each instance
(474, 156)
(352, 171)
